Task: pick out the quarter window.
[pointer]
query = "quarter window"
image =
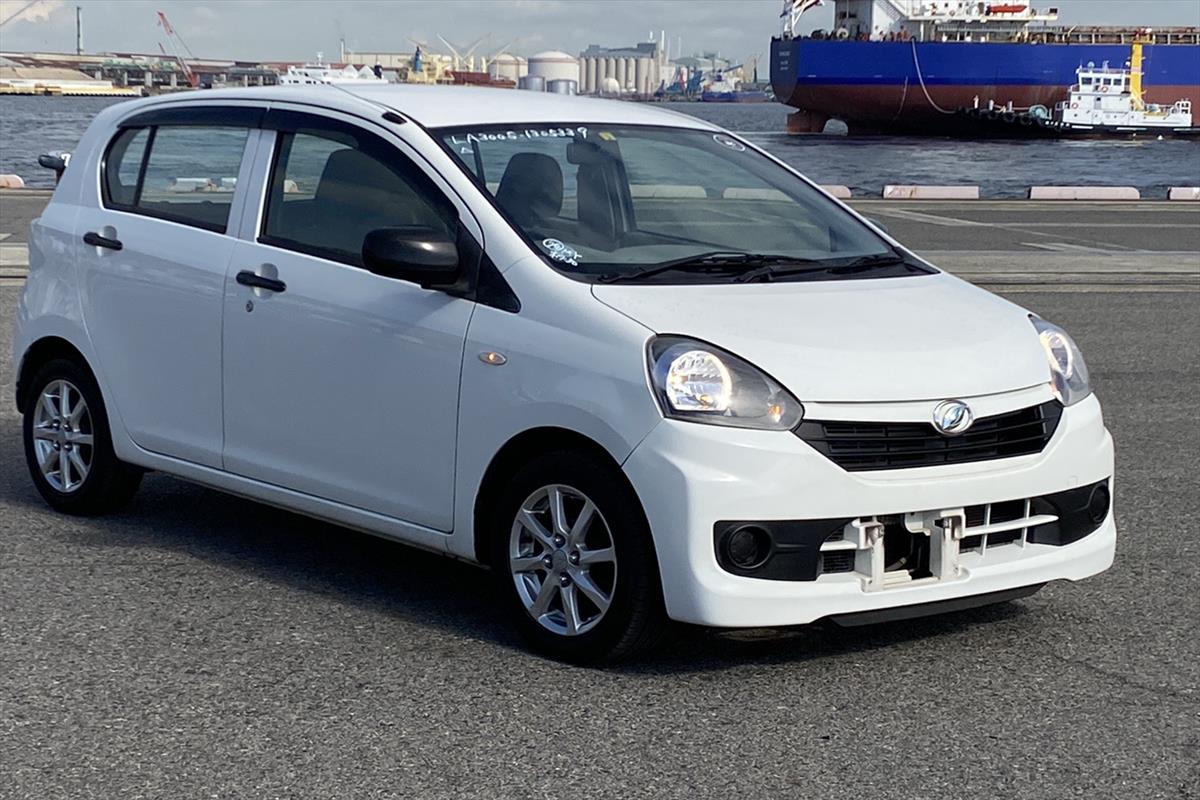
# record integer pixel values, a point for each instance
(329, 189)
(124, 165)
(182, 173)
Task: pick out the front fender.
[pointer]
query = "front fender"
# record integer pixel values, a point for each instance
(570, 363)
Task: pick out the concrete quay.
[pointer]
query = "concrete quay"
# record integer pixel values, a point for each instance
(1013, 245)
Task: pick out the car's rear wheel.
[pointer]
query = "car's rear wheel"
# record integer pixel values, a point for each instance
(68, 448)
(575, 561)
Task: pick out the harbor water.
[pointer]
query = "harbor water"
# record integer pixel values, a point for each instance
(1001, 168)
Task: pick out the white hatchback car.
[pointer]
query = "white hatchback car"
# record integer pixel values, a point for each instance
(636, 365)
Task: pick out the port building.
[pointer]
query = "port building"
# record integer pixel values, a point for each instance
(637, 70)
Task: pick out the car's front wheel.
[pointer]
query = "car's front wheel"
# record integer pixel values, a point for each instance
(574, 558)
(67, 444)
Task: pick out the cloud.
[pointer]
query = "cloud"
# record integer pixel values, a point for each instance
(25, 11)
(251, 29)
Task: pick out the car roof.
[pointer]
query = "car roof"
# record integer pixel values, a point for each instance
(451, 106)
(444, 106)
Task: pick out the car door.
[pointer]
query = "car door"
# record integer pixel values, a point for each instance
(153, 255)
(340, 383)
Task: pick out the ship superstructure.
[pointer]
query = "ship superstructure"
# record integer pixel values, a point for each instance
(925, 20)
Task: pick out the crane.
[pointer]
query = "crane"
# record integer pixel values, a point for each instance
(179, 46)
(463, 55)
(19, 12)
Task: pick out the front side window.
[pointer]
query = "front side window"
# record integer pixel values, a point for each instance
(329, 189)
(607, 201)
(182, 173)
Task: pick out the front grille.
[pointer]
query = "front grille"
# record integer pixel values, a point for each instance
(862, 446)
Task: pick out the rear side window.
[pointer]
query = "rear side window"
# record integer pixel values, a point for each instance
(182, 173)
(329, 189)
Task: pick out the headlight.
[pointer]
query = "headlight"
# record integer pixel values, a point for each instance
(1068, 372)
(701, 383)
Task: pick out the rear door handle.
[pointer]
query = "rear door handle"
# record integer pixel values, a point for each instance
(248, 278)
(96, 240)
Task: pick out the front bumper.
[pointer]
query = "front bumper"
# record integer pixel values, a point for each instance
(689, 477)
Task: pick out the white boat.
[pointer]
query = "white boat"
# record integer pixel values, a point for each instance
(319, 73)
(1104, 99)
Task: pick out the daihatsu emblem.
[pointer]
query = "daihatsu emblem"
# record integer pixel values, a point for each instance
(952, 417)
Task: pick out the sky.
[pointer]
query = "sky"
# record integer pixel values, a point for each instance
(298, 29)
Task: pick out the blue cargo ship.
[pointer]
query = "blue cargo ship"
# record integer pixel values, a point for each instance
(914, 66)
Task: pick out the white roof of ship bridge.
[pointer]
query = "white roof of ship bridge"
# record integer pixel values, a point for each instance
(448, 106)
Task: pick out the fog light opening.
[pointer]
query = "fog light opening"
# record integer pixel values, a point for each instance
(1098, 503)
(748, 547)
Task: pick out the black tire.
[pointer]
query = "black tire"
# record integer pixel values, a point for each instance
(635, 619)
(110, 483)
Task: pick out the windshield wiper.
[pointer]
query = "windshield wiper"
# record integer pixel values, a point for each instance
(713, 261)
(860, 264)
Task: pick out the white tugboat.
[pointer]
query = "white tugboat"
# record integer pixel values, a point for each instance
(1112, 100)
(1104, 101)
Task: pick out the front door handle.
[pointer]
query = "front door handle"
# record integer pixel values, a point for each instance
(96, 240)
(248, 278)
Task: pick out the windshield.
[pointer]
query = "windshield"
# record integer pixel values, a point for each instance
(614, 202)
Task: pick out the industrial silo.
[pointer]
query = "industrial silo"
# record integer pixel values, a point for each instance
(533, 83)
(508, 67)
(554, 65)
(590, 80)
(562, 86)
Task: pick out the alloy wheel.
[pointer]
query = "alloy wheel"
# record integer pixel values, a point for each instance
(562, 560)
(63, 436)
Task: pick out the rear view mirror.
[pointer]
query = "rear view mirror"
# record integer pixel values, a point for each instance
(581, 153)
(419, 254)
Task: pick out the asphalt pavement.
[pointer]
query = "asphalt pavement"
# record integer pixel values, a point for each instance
(200, 645)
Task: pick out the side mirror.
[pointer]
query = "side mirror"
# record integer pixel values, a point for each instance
(415, 253)
(57, 163)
